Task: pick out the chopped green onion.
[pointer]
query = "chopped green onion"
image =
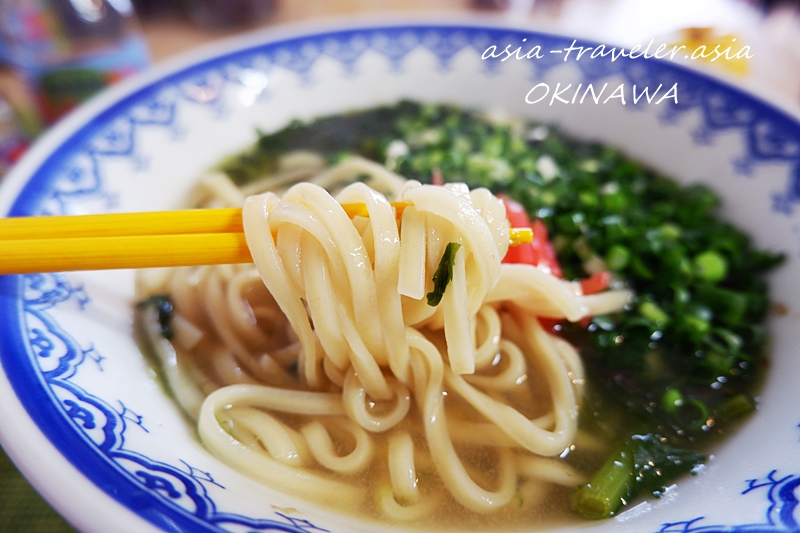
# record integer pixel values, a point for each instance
(731, 305)
(696, 326)
(672, 401)
(610, 487)
(690, 413)
(618, 257)
(710, 266)
(653, 313)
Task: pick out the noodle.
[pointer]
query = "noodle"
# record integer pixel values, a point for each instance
(323, 362)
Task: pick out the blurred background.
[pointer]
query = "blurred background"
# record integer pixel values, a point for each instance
(54, 54)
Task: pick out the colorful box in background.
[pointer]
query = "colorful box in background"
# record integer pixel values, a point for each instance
(67, 51)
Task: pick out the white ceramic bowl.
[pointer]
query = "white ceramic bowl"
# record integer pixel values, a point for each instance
(82, 414)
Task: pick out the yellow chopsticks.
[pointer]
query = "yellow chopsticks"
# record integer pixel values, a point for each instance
(228, 220)
(126, 240)
(135, 240)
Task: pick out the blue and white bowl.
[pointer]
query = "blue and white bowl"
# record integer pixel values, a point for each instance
(82, 413)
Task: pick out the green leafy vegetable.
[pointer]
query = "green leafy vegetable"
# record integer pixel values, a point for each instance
(656, 462)
(444, 274)
(355, 132)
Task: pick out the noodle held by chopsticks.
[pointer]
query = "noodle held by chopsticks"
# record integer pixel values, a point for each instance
(325, 361)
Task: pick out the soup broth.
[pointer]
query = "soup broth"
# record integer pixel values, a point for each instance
(666, 368)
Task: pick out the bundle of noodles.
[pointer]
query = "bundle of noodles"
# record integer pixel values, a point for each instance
(325, 361)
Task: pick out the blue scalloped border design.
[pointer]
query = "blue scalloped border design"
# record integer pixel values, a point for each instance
(780, 493)
(90, 432)
(41, 359)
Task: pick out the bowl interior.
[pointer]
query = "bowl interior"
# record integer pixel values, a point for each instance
(69, 355)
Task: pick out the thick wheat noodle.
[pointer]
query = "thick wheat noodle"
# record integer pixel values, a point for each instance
(329, 361)
(324, 450)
